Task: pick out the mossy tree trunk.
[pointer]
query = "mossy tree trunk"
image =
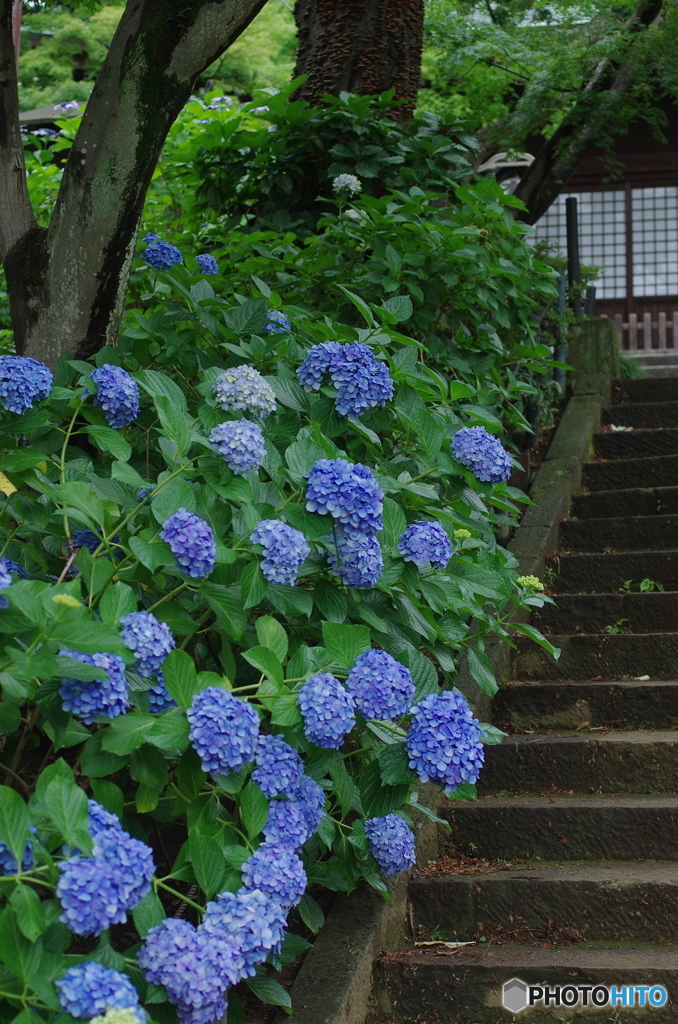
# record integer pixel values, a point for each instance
(67, 283)
(360, 46)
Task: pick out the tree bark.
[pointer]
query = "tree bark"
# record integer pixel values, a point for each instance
(560, 156)
(360, 46)
(67, 284)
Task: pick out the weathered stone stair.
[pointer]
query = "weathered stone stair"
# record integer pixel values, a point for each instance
(575, 832)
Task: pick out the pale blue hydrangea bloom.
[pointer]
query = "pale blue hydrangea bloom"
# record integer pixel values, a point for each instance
(207, 263)
(254, 920)
(444, 741)
(224, 730)
(279, 766)
(191, 542)
(161, 255)
(426, 542)
(276, 871)
(328, 710)
(90, 988)
(348, 492)
(277, 323)
(358, 560)
(285, 550)
(147, 638)
(106, 697)
(381, 687)
(23, 382)
(347, 185)
(244, 389)
(362, 382)
(117, 395)
(241, 443)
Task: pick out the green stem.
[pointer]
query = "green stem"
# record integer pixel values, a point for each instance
(184, 899)
(168, 597)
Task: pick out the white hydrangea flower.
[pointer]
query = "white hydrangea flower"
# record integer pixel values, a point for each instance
(347, 185)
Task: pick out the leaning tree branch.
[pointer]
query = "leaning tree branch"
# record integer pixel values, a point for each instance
(67, 286)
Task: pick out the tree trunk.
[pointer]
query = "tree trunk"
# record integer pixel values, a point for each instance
(360, 46)
(578, 134)
(67, 284)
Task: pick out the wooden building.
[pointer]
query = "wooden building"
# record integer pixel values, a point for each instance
(629, 227)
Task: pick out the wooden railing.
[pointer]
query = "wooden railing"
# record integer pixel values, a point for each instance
(643, 334)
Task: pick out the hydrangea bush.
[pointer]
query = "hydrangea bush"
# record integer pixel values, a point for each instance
(241, 556)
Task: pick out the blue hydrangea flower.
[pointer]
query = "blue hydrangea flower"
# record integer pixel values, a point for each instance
(391, 843)
(278, 766)
(100, 820)
(107, 697)
(85, 539)
(285, 550)
(158, 698)
(191, 542)
(130, 860)
(277, 323)
(328, 710)
(254, 920)
(241, 443)
(484, 454)
(207, 263)
(149, 639)
(150, 237)
(381, 687)
(117, 394)
(358, 560)
(426, 542)
(276, 871)
(16, 569)
(89, 989)
(8, 864)
(348, 492)
(310, 798)
(5, 581)
(320, 361)
(362, 382)
(224, 730)
(444, 743)
(194, 966)
(161, 254)
(244, 389)
(23, 382)
(287, 824)
(90, 897)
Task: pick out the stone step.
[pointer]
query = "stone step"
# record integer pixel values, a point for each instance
(635, 444)
(596, 573)
(610, 762)
(556, 828)
(645, 391)
(656, 370)
(618, 475)
(611, 902)
(594, 613)
(633, 704)
(631, 502)
(598, 656)
(628, 533)
(465, 986)
(644, 414)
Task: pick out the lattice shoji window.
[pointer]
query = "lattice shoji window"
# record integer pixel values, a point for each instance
(655, 241)
(602, 236)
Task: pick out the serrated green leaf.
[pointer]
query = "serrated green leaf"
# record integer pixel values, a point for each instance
(127, 732)
(311, 913)
(109, 440)
(181, 678)
(394, 765)
(330, 600)
(271, 634)
(29, 911)
(482, 670)
(265, 660)
(148, 913)
(208, 862)
(344, 643)
(270, 991)
(253, 809)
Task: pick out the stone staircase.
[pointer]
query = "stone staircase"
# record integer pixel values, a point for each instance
(578, 807)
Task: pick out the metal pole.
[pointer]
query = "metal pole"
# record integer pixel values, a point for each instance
(560, 352)
(573, 272)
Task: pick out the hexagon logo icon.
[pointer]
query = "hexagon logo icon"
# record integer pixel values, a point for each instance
(515, 995)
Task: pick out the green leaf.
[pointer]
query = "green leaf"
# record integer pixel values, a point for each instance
(20, 460)
(147, 765)
(286, 711)
(490, 734)
(175, 495)
(482, 670)
(253, 809)
(423, 673)
(459, 389)
(147, 913)
(359, 304)
(270, 991)
(311, 913)
(170, 732)
(110, 795)
(464, 791)
(174, 422)
(344, 786)
(534, 634)
(22, 957)
(127, 732)
(236, 856)
(30, 913)
(10, 719)
(272, 634)
(67, 805)
(181, 678)
(14, 822)
(208, 862)
(376, 798)
(394, 765)
(97, 762)
(399, 306)
(289, 600)
(109, 440)
(157, 384)
(248, 318)
(78, 495)
(330, 600)
(117, 601)
(344, 643)
(290, 393)
(266, 661)
(227, 605)
(395, 524)
(252, 585)
(326, 831)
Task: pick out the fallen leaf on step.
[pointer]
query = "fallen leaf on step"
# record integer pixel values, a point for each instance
(641, 679)
(612, 427)
(448, 945)
(584, 725)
